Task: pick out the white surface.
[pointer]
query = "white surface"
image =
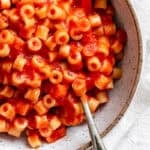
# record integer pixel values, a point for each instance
(133, 131)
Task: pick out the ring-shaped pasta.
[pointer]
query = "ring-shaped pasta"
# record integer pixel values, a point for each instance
(51, 43)
(84, 25)
(34, 140)
(40, 108)
(42, 12)
(69, 76)
(20, 123)
(35, 82)
(100, 4)
(79, 86)
(32, 94)
(61, 37)
(38, 61)
(7, 37)
(7, 92)
(34, 44)
(7, 111)
(42, 32)
(76, 34)
(3, 22)
(19, 63)
(109, 29)
(41, 121)
(7, 66)
(48, 101)
(72, 20)
(22, 108)
(93, 64)
(102, 97)
(56, 13)
(27, 11)
(45, 132)
(3, 125)
(102, 81)
(106, 67)
(95, 20)
(56, 76)
(64, 50)
(5, 4)
(54, 122)
(74, 58)
(18, 79)
(117, 73)
(4, 50)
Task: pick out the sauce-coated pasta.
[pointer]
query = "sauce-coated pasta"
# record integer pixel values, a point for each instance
(52, 52)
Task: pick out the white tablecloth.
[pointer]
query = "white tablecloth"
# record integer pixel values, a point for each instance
(133, 131)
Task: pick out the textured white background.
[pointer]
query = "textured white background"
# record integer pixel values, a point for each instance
(133, 131)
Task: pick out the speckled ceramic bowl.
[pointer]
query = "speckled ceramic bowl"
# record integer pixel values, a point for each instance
(120, 97)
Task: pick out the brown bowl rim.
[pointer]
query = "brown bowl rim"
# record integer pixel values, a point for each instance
(138, 73)
(136, 80)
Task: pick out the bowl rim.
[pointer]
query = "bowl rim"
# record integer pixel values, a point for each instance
(138, 73)
(136, 80)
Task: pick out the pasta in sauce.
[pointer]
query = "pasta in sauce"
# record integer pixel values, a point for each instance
(51, 53)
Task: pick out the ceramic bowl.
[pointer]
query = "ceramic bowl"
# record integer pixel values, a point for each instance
(120, 97)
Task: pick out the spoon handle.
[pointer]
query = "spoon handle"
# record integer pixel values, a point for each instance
(96, 139)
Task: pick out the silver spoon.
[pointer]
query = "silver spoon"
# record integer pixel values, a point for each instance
(95, 137)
